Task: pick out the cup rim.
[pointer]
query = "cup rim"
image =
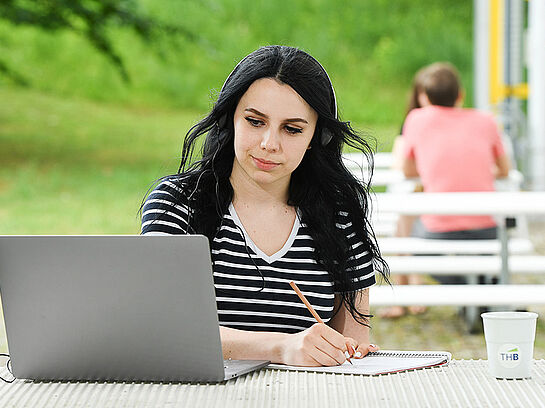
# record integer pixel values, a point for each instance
(509, 315)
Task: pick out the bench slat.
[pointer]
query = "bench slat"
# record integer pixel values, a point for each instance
(380, 160)
(396, 246)
(464, 265)
(455, 295)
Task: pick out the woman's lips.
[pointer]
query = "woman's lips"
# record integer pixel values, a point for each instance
(264, 164)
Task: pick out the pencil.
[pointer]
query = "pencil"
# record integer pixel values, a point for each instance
(309, 306)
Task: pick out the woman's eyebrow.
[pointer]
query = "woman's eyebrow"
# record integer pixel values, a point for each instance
(265, 116)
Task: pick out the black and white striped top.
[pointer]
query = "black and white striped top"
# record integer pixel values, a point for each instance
(261, 300)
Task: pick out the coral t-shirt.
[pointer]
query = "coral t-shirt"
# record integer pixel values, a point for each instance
(455, 149)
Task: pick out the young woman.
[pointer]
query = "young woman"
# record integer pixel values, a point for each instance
(273, 197)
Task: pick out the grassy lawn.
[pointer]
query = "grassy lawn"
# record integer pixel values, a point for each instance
(79, 167)
(441, 328)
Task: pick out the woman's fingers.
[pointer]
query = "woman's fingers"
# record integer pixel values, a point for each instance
(326, 356)
(351, 346)
(333, 346)
(318, 345)
(373, 347)
(364, 349)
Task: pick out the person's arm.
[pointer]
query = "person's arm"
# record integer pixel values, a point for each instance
(407, 148)
(319, 345)
(397, 153)
(503, 166)
(242, 344)
(409, 167)
(344, 323)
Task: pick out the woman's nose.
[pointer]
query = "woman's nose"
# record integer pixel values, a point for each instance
(270, 140)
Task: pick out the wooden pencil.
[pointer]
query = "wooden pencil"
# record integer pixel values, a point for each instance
(310, 308)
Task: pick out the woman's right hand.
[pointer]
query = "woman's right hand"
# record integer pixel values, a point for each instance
(319, 345)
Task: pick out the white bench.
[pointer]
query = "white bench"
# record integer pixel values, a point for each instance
(457, 295)
(500, 204)
(411, 246)
(465, 265)
(467, 262)
(494, 203)
(381, 160)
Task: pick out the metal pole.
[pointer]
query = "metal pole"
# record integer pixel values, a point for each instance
(536, 101)
(504, 251)
(480, 55)
(514, 117)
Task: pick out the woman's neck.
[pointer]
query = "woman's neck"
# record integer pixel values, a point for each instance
(246, 190)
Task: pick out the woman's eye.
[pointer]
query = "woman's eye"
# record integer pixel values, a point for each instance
(254, 122)
(293, 130)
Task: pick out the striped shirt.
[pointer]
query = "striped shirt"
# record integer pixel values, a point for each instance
(252, 288)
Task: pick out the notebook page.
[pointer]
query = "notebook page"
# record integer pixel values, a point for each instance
(381, 362)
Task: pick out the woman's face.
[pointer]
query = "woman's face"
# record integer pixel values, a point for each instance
(273, 129)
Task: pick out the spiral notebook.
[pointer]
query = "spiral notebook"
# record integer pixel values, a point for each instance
(382, 362)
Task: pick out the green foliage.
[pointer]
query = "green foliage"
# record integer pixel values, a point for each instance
(89, 18)
(79, 146)
(371, 48)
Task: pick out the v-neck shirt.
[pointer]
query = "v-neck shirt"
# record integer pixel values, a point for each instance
(252, 288)
(267, 258)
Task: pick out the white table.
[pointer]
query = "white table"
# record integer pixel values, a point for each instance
(462, 384)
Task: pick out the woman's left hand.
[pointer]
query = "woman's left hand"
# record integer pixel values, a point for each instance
(363, 349)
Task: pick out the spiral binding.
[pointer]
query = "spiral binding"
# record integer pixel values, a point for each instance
(402, 354)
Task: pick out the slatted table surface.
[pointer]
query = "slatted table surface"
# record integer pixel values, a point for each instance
(465, 383)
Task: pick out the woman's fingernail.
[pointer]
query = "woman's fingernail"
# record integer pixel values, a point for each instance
(358, 354)
(347, 354)
(373, 346)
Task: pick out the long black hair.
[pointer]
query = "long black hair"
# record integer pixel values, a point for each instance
(320, 187)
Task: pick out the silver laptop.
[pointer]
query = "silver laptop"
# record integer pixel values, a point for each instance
(123, 308)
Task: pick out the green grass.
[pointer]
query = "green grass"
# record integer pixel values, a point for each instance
(441, 328)
(77, 167)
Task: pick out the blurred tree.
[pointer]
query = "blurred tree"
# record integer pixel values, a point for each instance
(90, 18)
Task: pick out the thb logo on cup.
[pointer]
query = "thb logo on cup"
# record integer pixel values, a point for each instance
(510, 343)
(509, 355)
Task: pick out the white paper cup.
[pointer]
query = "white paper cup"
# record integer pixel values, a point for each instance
(510, 343)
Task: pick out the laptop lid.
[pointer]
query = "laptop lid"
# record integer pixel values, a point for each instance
(131, 308)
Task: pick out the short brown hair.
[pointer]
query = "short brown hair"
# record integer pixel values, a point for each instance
(441, 82)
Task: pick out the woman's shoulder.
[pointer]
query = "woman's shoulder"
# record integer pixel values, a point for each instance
(345, 222)
(351, 227)
(169, 194)
(342, 217)
(171, 184)
(170, 188)
(165, 209)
